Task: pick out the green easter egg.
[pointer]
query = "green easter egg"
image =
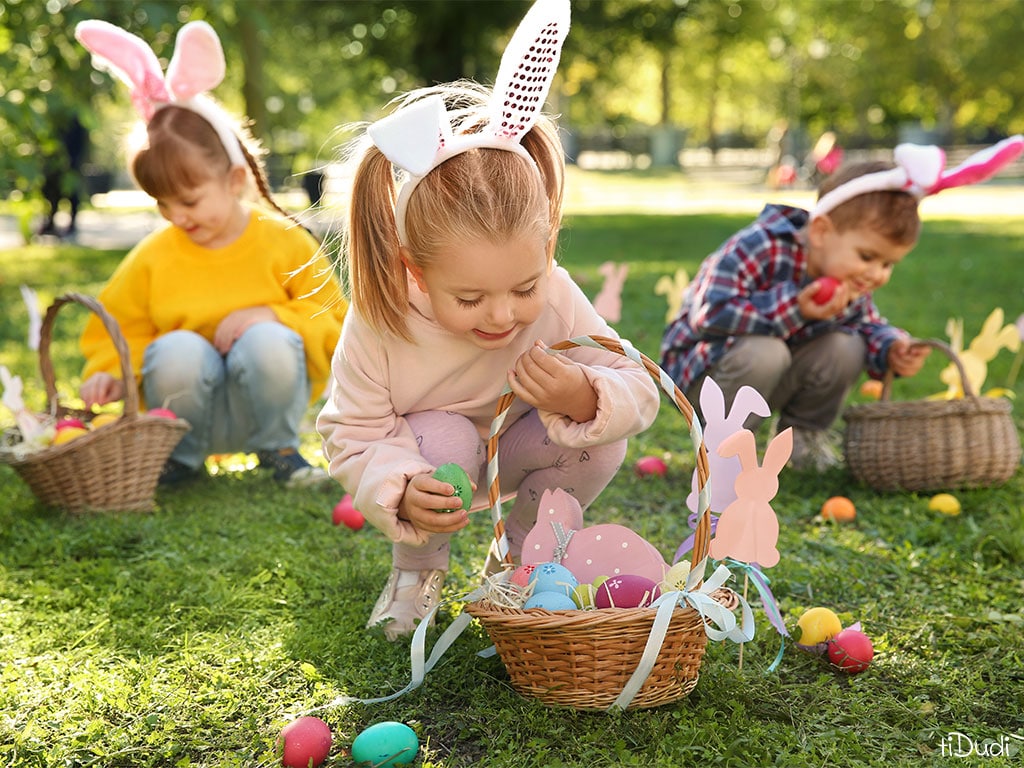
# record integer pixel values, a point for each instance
(583, 596)
(454, 474)
(386, 744)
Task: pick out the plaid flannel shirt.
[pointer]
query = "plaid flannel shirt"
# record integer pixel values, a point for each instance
(749, 286)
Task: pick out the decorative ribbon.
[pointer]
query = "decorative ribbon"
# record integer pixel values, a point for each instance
(771, 607)
(687, 545)
(562, 538)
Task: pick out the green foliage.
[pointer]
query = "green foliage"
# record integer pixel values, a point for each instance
(192, 635)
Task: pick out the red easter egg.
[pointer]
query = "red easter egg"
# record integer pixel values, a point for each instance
(626, 591)
(851, 650)
(69, 422)
(826, 289)
(650, 465)
(306, 741)
(345, 513)
(163, 413)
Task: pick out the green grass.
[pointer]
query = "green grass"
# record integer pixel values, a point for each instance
(191, 636)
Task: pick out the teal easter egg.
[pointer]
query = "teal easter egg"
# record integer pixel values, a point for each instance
(386, 744)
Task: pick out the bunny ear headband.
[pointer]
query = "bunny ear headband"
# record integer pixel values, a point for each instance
(920, 171)
(418, 138)
(196, 66)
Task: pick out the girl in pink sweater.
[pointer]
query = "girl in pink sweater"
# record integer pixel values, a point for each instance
(454, 293)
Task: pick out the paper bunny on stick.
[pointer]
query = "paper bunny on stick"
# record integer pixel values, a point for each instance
(920, 170)
(982, 350)
(608, 301)
(748, 528)
(32, 431)
(197, 66)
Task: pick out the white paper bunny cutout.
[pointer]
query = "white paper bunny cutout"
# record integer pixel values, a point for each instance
(748, 529)
(608, 302)
(35, 321)
(419, 137)
(29, 426)
(197, 66)
(723, 470)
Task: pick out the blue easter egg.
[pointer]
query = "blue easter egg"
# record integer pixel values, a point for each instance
(553, 577)
(386, 744)
(550, 601)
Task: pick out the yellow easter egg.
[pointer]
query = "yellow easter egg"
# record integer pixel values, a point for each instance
(102, 419)
(946, 503)
(675, 577)
(67, 434)
(583, 596)
(818, 625)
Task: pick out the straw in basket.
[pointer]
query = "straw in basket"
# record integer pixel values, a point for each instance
(585, 659)
(930, 445)
(115, 467)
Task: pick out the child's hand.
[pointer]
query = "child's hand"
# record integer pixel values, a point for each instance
(812, 310)
(101, 388)
(906, 357)
(238, 322)
(424, 498)
(553, 383)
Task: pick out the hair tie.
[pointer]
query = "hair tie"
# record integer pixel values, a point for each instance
(197, 66)
(920, 172)
(419, 137)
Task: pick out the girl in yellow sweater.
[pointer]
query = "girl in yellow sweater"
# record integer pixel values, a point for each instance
(230, 313)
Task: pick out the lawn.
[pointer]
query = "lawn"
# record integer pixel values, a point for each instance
(190, 636)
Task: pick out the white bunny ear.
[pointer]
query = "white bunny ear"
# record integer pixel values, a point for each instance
(412, 137)
(129, 58)
(712, 401)
(527, 68)
(197, 65)
(746, 402)
(922, 164)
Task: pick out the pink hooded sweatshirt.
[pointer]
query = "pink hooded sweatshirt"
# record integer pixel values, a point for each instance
(376, 380)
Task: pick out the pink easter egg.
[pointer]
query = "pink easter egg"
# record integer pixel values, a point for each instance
(649, 466)
(521, 575)
(851, 650)
(69, 422)
(345, 513)
(626, 591)
(304, 742)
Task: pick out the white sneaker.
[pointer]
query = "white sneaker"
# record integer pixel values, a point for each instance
(813, 449)
(401, 606)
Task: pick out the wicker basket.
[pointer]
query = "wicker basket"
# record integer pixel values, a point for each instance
(931, 445)
(115, 467)
(584, 659)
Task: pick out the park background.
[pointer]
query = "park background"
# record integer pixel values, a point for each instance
(190, 636)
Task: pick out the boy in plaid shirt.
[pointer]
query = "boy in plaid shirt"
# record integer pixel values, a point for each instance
(750, 316)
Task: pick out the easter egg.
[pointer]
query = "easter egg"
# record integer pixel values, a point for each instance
(306, 742)
(826, 290)
(67, 434)
(675, 578)
(550, 601)
(163, 413)
(818, 625)
(69, 422)
(838, 509)
(385, 744)
(583, 596)
(626, 591)
(102, 419)
(457, 477)
(345, 513)
(872, 388)
(650, 466)
(521, 575)
(946, 503)
(552, 577)
(851, 650)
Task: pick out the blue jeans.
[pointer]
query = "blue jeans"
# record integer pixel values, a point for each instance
(251, 399)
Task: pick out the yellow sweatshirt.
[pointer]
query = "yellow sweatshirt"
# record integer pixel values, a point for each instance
(167, 283)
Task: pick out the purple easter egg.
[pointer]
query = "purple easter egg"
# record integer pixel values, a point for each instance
(626, 591)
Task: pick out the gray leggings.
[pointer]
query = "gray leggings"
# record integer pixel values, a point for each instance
(806, 385)
(529, 463)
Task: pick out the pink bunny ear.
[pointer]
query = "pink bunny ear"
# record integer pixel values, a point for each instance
(198, 62)
(981, 165)
(778, 451)
(740, 444)
(527, 68)
(129, 58)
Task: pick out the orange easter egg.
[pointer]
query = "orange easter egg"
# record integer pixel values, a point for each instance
(838, 509)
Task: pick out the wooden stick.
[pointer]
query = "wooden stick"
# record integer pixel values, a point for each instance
(746, 581)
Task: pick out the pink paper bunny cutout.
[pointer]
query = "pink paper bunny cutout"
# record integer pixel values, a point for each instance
(599, 550)
(748, 528)
(723, 470)
(608, 301)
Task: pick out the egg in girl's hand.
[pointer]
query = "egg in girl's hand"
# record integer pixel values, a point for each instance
(386, 744)
(305, 741)
(626, 591)
(456, 476)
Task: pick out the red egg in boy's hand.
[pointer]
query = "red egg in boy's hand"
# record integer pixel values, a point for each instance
(345, 513)
(826, 290)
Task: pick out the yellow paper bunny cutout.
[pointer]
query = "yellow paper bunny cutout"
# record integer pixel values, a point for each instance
(672, 288)
(994, 336)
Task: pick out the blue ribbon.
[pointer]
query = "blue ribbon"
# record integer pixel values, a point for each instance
(771, 607)
(687, 545)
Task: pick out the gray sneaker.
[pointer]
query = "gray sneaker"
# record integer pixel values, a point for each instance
(292, 469)
(400, 609)
(813, 449)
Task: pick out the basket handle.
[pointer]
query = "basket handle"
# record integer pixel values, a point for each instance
(702, 535)
(945, 349)
(131, 392)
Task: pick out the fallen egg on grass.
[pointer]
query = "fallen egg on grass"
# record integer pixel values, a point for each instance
(650, 466)
(386, 744)
(851, 651)
(817, 625)
(305, 742)
(946, 503)
(838, 509)
(346, 514)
